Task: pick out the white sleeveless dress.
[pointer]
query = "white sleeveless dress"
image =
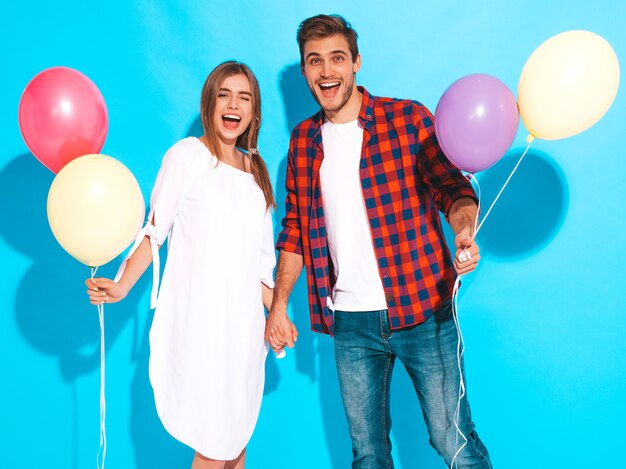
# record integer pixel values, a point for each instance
(207, 351)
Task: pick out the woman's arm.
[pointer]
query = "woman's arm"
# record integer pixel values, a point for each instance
(267, 294)
(104, 290)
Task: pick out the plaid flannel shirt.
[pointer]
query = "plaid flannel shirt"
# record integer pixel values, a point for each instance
(405, 179)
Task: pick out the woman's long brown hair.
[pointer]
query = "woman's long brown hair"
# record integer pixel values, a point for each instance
(247, 140)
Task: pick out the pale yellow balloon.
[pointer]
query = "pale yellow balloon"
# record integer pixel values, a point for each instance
(95, 208)
(568, 84)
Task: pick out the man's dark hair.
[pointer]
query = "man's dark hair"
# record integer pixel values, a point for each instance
(323, 26)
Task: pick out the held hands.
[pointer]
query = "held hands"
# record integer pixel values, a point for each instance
(467, 253)
(280, 331)
(103, 290)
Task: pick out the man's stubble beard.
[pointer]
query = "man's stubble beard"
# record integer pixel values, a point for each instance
(346, 96)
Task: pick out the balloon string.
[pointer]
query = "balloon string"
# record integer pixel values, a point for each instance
(460, 345)
(530, 142)
(102, 449)
(460, 349)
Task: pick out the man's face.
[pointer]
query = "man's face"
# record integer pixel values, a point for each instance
(329, 71)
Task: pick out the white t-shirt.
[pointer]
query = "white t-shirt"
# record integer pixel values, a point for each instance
(358, 285)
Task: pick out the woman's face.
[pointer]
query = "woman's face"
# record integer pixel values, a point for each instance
(233, 108)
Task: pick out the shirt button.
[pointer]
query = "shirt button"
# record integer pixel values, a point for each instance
(369, 116)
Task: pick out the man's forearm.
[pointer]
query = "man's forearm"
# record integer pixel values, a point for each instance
(462, 216)
(287, 273)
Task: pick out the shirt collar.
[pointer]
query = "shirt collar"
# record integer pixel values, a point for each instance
(366, 113)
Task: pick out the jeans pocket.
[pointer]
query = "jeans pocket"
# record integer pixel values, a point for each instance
(339, 322)
(349, 323)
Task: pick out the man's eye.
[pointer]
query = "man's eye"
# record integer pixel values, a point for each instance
(338, 58)
(314, 61)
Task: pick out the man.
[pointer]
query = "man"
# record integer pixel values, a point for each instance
(365, 178)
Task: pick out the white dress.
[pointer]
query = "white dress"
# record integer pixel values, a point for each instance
(207, 351)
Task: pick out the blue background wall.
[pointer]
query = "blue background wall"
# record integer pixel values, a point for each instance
(543, 316)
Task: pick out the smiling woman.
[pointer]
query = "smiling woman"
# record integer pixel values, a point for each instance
(233, 107)
(213, 200)
(230, 101)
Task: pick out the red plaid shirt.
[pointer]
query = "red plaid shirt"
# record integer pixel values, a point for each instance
(405, 179)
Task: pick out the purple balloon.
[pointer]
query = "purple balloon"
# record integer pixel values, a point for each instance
(476, 121)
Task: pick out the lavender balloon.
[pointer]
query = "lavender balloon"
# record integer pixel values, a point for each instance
(476, 121)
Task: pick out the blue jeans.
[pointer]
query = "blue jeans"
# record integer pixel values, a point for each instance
(365, 352)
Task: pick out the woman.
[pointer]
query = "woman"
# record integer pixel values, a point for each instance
(213, 202)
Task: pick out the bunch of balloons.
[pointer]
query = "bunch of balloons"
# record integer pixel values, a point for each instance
(95, 206)
(566, 86)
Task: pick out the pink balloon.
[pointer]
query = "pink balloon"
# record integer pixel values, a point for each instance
(476, 121)
(62, 116)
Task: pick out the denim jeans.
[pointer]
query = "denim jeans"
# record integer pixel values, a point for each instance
(365, 352)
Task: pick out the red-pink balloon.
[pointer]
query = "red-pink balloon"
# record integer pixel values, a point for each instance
(476, 121)
(62, 116)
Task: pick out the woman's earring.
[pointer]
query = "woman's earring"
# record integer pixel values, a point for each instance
(258, 123)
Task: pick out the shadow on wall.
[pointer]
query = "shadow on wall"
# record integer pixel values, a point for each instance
(298, 102)
(195, 129)
(60, 326)
(528, 215)
(530, 211)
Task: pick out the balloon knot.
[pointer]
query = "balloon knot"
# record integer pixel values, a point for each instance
(530, 138)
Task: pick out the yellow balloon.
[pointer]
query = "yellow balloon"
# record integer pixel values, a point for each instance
(95, 208)
(568, 84)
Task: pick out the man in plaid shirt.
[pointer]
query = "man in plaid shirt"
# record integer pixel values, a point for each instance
(365, 181)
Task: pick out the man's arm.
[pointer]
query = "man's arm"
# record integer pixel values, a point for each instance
(462, 219)
(279, 330)
(446, 182)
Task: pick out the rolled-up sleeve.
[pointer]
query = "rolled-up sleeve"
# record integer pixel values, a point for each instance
(289, 238)
(446, 182)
